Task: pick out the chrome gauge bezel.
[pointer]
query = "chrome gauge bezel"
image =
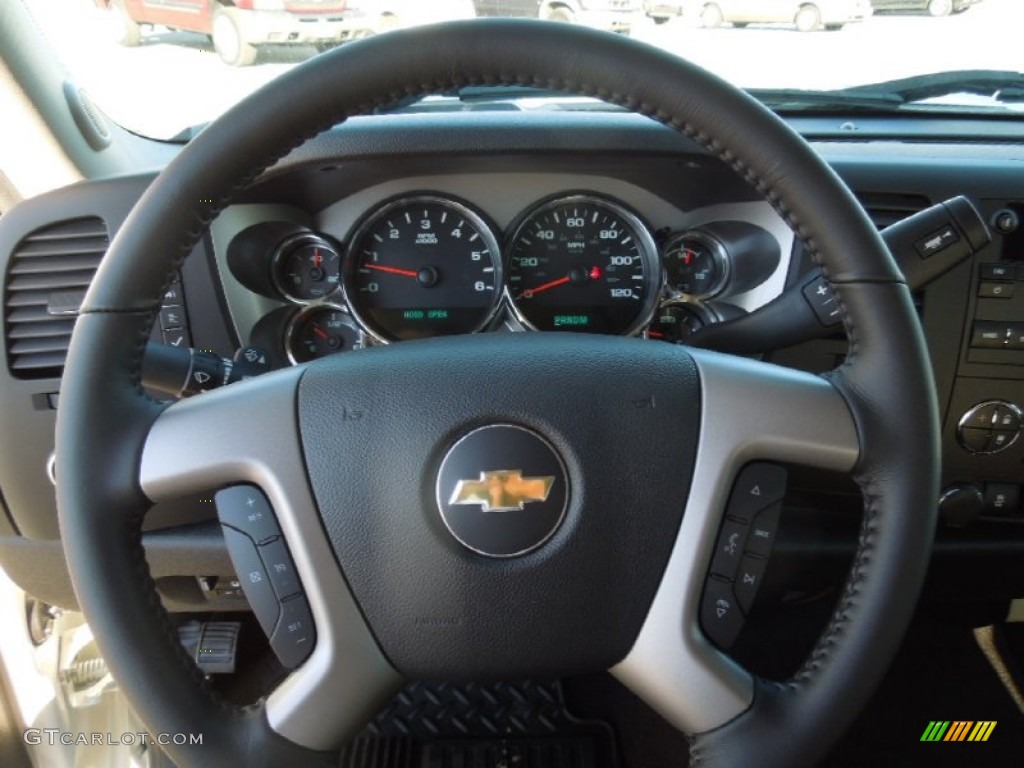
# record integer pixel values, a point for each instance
(654, 273)
(719, 254)
(375, 215)
(300, 316)
(289, 245)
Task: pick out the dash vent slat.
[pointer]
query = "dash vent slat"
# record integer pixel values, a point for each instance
(48, 272)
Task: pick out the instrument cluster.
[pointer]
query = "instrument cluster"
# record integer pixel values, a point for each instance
(429, 264)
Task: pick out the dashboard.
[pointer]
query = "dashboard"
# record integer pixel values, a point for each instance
(392, 228)
(492, 252)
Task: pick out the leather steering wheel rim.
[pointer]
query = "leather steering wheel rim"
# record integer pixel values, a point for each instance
(105, 416)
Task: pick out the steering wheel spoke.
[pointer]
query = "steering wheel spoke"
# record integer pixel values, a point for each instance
(248, 434)
(751, 411)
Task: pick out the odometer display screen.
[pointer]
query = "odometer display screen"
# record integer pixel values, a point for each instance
(583, 264)
(423, 266)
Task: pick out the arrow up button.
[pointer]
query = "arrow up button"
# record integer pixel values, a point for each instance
(758, 486)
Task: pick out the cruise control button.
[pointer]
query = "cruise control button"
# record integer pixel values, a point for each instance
(763, 531)
(253, 578)
(748, 581)
(246, 508)
(720, 615)
(729, 548)
(295, 635)
(975, 440)
(759, 485)
(280, 568)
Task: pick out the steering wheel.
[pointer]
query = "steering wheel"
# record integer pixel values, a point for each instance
(352, 452)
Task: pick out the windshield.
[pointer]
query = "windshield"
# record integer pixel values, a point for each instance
(163, 68)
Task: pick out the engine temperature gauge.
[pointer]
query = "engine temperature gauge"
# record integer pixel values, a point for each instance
(321, 330)
(696, 264)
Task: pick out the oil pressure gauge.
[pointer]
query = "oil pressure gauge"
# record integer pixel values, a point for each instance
(696, 265)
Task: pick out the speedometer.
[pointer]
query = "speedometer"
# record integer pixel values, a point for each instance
(583, 263)
(423, 266)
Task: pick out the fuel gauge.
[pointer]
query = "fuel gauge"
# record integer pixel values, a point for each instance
(319, 331)
(696, 264)
(306, 268)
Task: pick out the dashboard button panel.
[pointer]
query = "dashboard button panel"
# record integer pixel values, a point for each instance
(245, 508)
(720, 614)
(995, 290)
(999, 270)
(744, 544)
(758, 485)
(294, 636)
(280, 569)
(253, 577)
(763, 531)
(748, 579)
(729, 548)
(266, 572)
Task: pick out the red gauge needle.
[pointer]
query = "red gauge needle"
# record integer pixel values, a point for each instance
(317, 258)
(656, 334)
(531, 292)
(392, 270)
(321, 332)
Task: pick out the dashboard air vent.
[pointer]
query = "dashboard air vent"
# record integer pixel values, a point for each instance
(887, 208)
(48, 275)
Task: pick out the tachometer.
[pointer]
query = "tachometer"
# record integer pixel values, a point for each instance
(423, 266)
(583, 263)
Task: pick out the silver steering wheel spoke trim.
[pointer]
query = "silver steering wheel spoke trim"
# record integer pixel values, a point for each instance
(750, 411)
(249, 433)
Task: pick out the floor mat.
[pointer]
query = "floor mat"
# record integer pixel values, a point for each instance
(497, 725)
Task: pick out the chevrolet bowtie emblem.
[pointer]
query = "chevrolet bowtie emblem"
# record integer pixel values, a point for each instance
(505, 490)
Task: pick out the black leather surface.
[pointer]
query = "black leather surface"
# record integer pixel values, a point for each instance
(103, 415)
(623, 414)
